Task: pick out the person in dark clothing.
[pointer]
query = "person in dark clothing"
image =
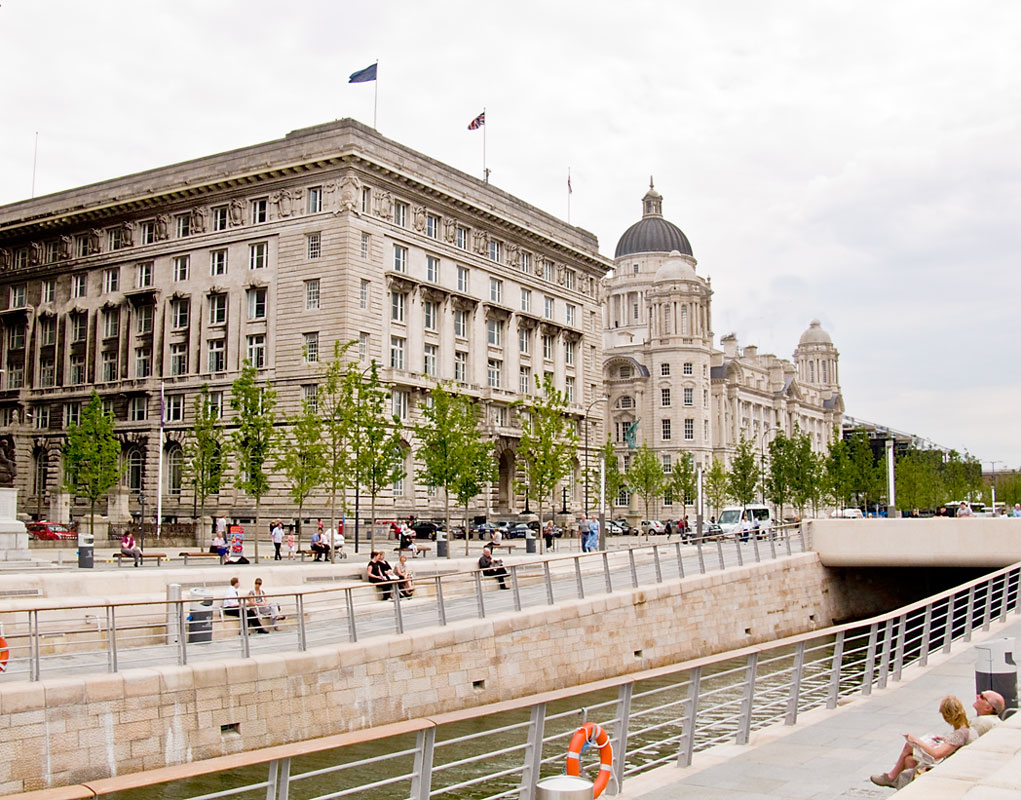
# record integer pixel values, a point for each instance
(493, 568)
(379, 571)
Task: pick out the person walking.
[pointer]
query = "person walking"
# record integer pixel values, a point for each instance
(276, 533)
(583, 531)
(291, 545)
(593, 534)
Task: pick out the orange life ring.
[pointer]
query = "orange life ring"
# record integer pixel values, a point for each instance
(589, 732)
(5, 654)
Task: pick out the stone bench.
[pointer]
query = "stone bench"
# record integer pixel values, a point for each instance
(120, 557)
(186, 556)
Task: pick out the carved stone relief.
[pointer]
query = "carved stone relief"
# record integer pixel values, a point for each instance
(419, 221)
(384, 205)
(236, 212)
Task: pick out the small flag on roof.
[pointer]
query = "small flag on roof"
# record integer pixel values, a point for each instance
(364, 75)
(478, 122)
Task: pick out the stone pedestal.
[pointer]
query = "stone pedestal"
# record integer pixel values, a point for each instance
(117, 506)
(60, 507)
(13, 534)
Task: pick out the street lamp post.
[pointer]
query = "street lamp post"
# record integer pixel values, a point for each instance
(587, 426)
(762, 464)
(992, 487)
(602, 478)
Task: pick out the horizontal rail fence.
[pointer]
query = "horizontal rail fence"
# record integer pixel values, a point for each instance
(56, 639)
(656, 717)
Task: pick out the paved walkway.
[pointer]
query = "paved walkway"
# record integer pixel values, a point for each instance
(831, 753)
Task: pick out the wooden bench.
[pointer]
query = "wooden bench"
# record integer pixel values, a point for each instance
(502, 546)
(420, 550)
(302, 553)
(186, 556)
(158, 556)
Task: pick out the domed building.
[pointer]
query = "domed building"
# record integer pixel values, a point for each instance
(666, 383)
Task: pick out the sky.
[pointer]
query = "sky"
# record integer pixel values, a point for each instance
(852, 162)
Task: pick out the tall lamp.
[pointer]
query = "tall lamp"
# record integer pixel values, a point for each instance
(602, 478)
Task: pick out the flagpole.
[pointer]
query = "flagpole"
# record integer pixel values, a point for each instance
(568, 195)
(35, 158)
(375, 96)
(485, 172)
(159, 470)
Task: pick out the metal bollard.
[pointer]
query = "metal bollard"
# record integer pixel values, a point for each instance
(564, 787)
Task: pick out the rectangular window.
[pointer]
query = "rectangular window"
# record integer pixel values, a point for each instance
(569, 279)
(260, 208)
(179, 358)
(494, 332)
(182, 225)
(143, 362)
(524, 341)
(217, 309)
(432, 226)
(571, 314)
(462, 279)
(363, 294)
(257, 303)
(689, 429)
(175, 407)
(310, 397)
(432, 269)
(217, 360)
(666, 429)
(143, 275)
(547, 347)
(148, 232)
(547, 270)
(495, 290)
(109, 367)
(180, 312)
(47, 372)
(217, 262)
(49, 290)
(462, 238)
(401, 214)
(311, 348)
(315, 199)
(397, 306)
(112, 280)
(495, 371)
(569, 348)
(399, 400)
(138, 410)
(257, 255)
(314, 245)
(525, 380)
(429, 314)
(365, 244)
(429, 360)
(688, 368)
(220, 218)
(47, 330)
(705, 398)
(111, 323)
(400, 258)
(366, 199)
(18, 296)
(80, 285)
(397, 352)
(215, 405)
(689, 396)
(115, 239)
(16, 336)
(526, 300)
(181, 264)
(460, 323)
(664, 397)
(79, 327)
(525, 261)
(547, 307)
(664, 369)
(81, 249)
(461, 367)
(363, 344)
(312, 294)
(143, 319)
(495, 250)
(569, 389)
(16, 375)
(256, 352)
(42, 417)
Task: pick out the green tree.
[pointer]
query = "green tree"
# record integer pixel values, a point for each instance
(477, 470)
(780, 475)
(806, 473)
(866, 475)
(253, 439)
(917, 479)
(448, 439)
(203, 451)
(645, 477)
(336, 398)
(91, 456)
(744, 473)
(301, 456)
(549, 441)
(682, 482)
(716, 486)
(380, 457)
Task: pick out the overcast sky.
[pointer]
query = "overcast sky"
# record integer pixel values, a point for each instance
(854, 162)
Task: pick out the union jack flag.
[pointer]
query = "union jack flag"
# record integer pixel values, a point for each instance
(478, 122)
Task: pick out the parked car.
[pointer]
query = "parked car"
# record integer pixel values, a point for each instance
(519, 531)
(730, 518)
(50, 531)
(425, 529)
(616, 529)
(710, 530)
(653, 525)
(484, 531)
(847, 513)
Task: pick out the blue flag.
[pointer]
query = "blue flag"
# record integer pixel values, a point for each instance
(363, 75)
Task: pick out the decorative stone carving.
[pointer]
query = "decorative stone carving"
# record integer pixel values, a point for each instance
(282, 200)
(481, 242)
(329, 191)
(236, 212)
(5, 259)
(419, 221)
(561, 274)
(162, 227)
(350, 191)
(450, 230)
(35, 254)
(64, 248)
(8, 464)
(539, 264)
(297, 201)
(197, 220)
(513, 253)
(384, 205)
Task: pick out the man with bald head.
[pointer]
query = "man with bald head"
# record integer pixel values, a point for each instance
(988, 706)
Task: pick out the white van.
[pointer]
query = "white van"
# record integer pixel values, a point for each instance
(730, 518)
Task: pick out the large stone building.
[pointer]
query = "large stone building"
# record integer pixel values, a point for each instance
(663, 372)
(272, 253)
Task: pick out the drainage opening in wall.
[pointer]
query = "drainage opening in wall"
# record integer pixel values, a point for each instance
(479, 684)
(747, 631)
(230, 727)
(638, 653)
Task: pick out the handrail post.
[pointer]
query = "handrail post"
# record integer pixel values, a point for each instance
(514, 585)
(352, 627)
(1017, 592)
(884, 656)
(620, 734)
(35, 669)
(948, 634)
(533, 751)
(441, 609)
(577, 575)
(923, 657)
(744, 726)
(1006, 597)
(835, 670)
(631, 564)
(701, 557)
(870, 660)
(606, 571)
(772, 544)
(687, 747)
(182, 640)
(243, 622)
(755, 546)
(787, 540)
(111, 636)
(421, 780)
(970, 619)
(479, 602)
(737, 549)
(299, 609)
(283, 779)
(395, 593)
(680, 560)
(801, 535)
(898, 653)
(795, 691)
(719, 553)
(986, 617)
(655, 561)
(549, 582)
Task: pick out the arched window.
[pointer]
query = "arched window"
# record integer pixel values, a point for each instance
(40, 474)
(175, 471)
(136, 464)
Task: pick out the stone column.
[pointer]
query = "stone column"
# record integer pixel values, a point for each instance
(13, 534)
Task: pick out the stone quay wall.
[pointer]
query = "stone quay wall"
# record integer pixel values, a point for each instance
(65, 731)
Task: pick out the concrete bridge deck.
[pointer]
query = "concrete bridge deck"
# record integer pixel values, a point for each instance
(831, 753)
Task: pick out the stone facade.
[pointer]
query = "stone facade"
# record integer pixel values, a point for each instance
(662, 371)
(274, 253)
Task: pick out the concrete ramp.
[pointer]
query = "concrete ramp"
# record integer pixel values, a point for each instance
(935, 542)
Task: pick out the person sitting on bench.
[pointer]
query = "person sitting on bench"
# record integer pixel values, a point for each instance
(320, 547)
(232, 607)
(493, 568)
(379, 571)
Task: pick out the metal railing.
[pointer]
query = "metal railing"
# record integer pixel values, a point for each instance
(655, 717)
(50, 640)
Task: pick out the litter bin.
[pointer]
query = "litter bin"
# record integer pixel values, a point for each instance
(530, 542)
(995, 670)
(200, 617)
(86, 549)
(441, 545)
(564, 787)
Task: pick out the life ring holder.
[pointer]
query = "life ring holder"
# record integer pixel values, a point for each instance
(588, 735)
(5, 654)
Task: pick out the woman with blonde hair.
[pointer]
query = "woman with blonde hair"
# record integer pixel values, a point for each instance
(927, 751)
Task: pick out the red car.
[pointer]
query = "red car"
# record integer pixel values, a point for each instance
(50, 531)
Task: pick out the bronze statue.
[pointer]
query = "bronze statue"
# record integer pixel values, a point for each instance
(8, 465)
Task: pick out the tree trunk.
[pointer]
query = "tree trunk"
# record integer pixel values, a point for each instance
(255, 534)
(446, 518)
(372, 525)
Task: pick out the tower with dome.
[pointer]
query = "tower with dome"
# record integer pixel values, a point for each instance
(662, 370)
